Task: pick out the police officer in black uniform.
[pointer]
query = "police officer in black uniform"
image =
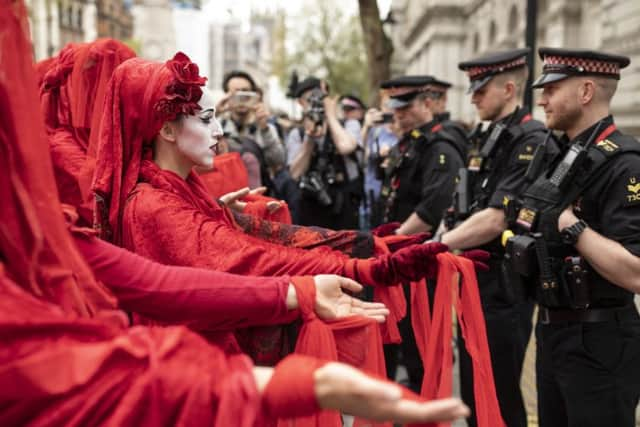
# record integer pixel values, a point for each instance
(453, 127)
(496, 172)
(418, 184)
(577, 247)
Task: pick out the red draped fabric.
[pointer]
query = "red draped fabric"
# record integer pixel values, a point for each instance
(353, 340)
(66, 357)
(457, 287)
(72, 98)
(227, 175)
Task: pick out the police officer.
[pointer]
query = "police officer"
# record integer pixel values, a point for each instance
(580, 225)
(453, 127)
(497, 83)
(419, 182)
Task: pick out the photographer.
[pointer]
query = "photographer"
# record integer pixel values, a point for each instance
(321, 156)
(378, 136)
(245, 119)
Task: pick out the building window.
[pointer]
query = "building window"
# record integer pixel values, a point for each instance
(513, 19)
(492, 32)
(476, 42)
(79, 17)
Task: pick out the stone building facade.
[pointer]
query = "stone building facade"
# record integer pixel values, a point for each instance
(432, 36)
(55, 23)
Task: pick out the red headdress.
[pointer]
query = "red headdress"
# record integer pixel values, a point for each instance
(54, 94)
(35, 246)
(140, 98)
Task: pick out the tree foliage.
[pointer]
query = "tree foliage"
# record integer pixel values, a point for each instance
(326, 43)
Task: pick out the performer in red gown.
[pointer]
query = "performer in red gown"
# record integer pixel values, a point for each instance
(204, 300)
(67, 356)
(159, 123)
(72, 98)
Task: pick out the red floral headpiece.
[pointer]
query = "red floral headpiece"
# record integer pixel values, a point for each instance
(183, 93)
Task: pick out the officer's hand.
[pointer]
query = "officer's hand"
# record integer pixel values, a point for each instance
(567, 218)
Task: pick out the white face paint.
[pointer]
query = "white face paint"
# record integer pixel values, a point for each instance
(199, 134)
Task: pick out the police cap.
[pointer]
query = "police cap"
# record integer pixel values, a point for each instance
(403, 90)
(558, 64)
(481, 70)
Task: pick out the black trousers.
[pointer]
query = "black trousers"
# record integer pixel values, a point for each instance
(343, 215)
(588, 373)
(508, 331)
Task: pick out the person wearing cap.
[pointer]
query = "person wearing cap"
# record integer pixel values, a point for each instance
(352, 107)
(587, 209)
(453, 127)
(497, 83)
(321, 156)
(418, 184)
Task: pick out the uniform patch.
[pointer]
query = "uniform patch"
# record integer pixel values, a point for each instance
(475, 163)
(608, 146)
(525, 155)
(442, 161)
(633, 191)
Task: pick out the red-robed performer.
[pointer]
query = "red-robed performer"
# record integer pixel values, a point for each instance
(159, 123)
(68, 357)
(202, 299)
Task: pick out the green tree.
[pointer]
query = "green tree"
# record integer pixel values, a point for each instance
(328, 44)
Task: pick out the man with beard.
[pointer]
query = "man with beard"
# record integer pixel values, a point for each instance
(581, 219)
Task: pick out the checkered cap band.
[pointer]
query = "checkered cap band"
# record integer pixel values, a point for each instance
(481, 71)
(580, 65)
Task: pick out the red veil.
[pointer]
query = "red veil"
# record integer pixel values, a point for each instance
(72, 96)
(62, 361)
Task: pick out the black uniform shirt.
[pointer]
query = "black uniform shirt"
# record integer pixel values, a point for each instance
(512, 160)
(611, 207)
(425, 177)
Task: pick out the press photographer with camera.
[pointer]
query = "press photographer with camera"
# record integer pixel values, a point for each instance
(379, 135)
(245, 122)
(322, 159)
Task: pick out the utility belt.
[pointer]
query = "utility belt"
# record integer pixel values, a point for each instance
(553, 281)
(548, 316)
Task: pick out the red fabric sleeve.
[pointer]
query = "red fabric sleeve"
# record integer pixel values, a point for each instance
(291, 390)
(164, 227)
(213, 300)
(58, 369)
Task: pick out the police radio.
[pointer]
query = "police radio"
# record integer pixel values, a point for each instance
(572, 160)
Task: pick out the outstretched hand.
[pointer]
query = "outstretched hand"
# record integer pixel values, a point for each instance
(333, 303)
(346, 389)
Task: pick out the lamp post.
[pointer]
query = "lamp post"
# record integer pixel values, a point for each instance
(530, 40)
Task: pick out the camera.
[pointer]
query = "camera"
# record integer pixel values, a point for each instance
(246, 98)
(386, 118)
(313, 185)
(315, 111)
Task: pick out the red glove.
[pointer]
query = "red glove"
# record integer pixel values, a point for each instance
(387, 229)
(406, 265)
(396, 242)
(479, 258)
